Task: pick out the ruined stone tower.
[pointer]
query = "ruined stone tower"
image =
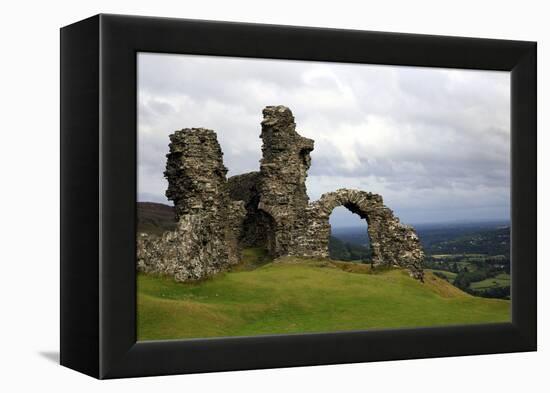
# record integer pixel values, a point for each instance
(195, 172)
(276, 196)
(283, 171)
(209, 222)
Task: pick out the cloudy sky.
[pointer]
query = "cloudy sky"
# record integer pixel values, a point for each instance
(433, 142)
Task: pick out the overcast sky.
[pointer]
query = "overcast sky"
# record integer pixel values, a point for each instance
(435, 143)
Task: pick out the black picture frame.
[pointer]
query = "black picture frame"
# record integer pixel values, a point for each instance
(98, 195)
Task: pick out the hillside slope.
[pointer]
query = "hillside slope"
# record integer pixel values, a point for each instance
(155, 218)
(293, 296)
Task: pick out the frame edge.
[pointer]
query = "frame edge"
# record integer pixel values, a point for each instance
(120, 357)
(79, 147)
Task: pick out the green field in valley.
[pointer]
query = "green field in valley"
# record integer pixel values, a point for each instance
(450, 275)
(479, 275)
(501, 280)
(294, 295)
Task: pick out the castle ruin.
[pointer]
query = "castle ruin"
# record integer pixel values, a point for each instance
(217, 217)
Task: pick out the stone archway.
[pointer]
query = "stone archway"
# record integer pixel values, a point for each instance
(392, 243)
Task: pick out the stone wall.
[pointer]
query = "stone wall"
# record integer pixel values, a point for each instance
(206, 240)
(270, 208)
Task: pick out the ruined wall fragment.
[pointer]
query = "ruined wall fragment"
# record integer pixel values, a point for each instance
(283, 171)
(209, 222)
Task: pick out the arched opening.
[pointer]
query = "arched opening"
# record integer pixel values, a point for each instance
(349, 239)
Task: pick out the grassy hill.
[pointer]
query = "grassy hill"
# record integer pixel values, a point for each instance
(294, 295)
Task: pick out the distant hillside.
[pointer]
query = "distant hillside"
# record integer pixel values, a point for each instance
(354, 235)
(348, 251)
(155, 218)
(475, 238)
(489, 241)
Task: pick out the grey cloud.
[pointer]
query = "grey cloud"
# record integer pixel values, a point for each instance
(434, 142)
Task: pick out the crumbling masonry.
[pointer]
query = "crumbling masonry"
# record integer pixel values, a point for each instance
(205, 241)
(270, 208)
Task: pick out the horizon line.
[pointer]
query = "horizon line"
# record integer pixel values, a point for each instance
(461, 221)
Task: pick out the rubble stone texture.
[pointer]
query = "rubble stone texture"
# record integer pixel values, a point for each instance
(206, 239)
(269, 208)
(195, 172)
(282, 181)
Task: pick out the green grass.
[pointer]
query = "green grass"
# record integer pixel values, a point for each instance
(450, 275)
(252, 258)
(296, 296)
(501, 280)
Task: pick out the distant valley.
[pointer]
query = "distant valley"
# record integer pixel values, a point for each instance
(475, 257)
